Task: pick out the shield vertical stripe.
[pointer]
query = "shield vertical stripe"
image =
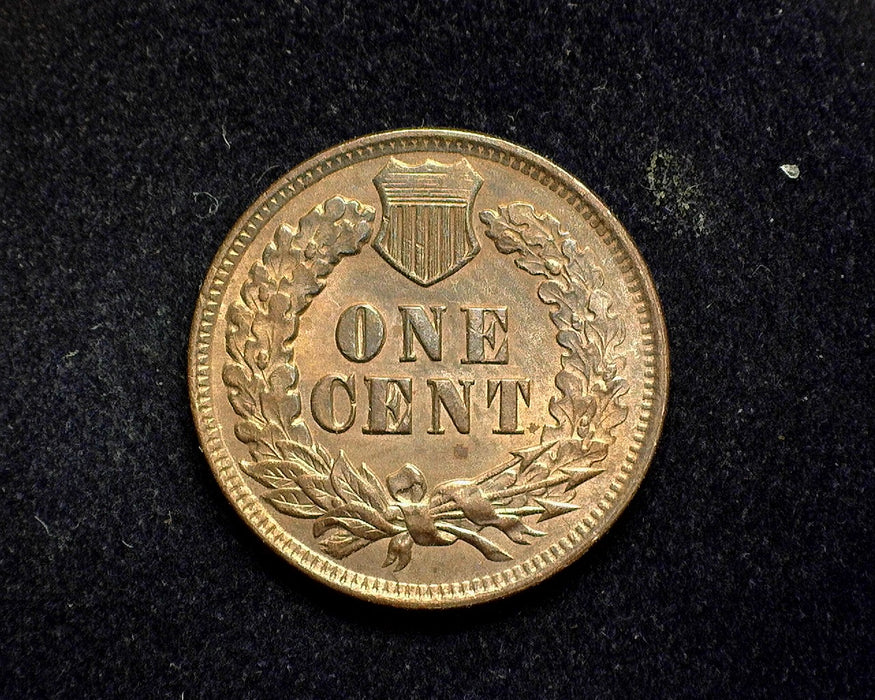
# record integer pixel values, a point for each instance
(426, 232)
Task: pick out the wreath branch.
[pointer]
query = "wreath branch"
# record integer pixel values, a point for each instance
(349, 505)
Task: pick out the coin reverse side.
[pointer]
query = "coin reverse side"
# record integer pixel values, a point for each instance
(429, 368)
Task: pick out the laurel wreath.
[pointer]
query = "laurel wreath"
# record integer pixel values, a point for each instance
(349, 505)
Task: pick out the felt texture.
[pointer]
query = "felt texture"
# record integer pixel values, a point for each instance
(133, 135)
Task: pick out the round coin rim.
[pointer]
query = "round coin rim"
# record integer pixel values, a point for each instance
(582, 535)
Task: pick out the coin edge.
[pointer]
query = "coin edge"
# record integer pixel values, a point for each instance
(457, 596)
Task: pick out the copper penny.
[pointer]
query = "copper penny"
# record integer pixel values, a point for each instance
(429, 368)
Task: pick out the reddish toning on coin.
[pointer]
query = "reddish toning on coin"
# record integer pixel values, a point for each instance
(429, 368)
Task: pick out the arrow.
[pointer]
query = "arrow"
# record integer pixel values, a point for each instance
(553, 508)
(524, 457)
(511, 491)
(495, 471)
(578, 475)
(528, 455)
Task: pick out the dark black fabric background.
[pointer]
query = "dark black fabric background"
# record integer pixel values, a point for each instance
(131, 139)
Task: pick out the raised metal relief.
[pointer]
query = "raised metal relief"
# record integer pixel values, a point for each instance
(426, 233)
(350, 506)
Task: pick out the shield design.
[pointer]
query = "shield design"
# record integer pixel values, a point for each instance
(426, 232)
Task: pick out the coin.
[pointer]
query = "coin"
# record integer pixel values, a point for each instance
(429, 368)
